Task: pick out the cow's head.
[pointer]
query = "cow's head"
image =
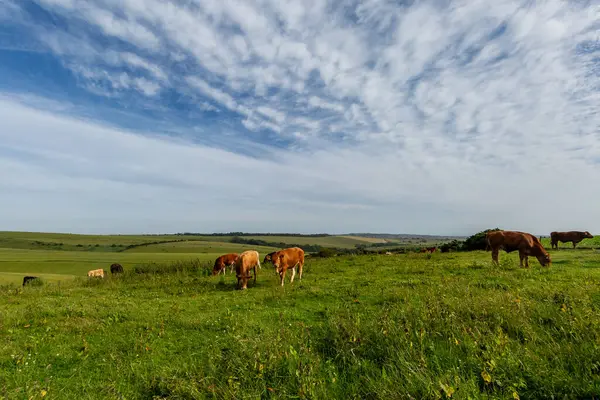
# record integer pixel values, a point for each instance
(217, 267)
(268, 258)
(544, 259)
(243, 281)
(588, 235)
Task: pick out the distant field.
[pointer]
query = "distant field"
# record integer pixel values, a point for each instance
(71, 263)
(199, 247)
(369, 240)
(327, 241)
(115, 243)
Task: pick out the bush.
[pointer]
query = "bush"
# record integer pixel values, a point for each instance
(473, 242)
(327, 252)
(476, 241)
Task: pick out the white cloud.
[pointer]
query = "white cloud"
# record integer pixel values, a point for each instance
(137, 61)
(458, 105)
(116, 180)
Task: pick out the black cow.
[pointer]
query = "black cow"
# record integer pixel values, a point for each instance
(116, 269)
(27, 279)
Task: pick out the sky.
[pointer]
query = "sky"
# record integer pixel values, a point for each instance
(424, 117)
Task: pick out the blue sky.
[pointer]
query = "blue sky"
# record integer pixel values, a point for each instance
(439, 117)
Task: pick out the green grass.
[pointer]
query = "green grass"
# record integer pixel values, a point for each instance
(360, 327)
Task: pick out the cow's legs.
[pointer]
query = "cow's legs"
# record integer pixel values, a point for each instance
(293, 274)
(282, 275)
(300, 266)
(573, 244)
(495, 256)
(521, 258)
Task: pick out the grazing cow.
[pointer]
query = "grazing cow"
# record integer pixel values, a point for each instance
(570, 236)
(116, 268)
(525, 243)
(288, 258)
(224, 261)
(268, 257)
(27, 279)
(431, 249)
(243, 264)
(96, 272)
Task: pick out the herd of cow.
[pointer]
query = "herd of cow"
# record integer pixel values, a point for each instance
(282, 260)
(290, 258)
(243, 263)
(529, 245)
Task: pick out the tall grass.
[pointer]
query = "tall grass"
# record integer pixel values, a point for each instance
(357, 327)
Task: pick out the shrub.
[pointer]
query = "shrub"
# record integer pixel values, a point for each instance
(454, 245)
(476, 241)
(327, 252)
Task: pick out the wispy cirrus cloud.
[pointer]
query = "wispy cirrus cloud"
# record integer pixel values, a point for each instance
(450, 104)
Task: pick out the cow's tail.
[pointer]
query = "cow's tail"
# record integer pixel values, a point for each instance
(487, 242)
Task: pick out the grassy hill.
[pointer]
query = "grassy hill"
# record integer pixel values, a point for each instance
(371, 326)
(375, 327)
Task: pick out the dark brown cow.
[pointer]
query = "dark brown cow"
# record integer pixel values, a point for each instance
(27, 279)
(243, 264)
(268, 257)
(570, 236)
(286, 259)
(116, 268)
(525, 243)
(224, 261)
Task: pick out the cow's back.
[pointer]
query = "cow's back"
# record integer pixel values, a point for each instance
(247, 258)
(293, 254)
(510, 240)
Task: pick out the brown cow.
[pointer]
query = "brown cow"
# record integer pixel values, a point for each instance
(288, 258)
(243, 264)
(570, 236)
(525, 243)
(224, 261)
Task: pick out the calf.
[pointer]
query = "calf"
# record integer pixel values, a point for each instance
(570, 236)
(28, 279)
(525, 243)
(288, 258)
(116, 269)
(96, 273)
(243, 264)
(224, 261)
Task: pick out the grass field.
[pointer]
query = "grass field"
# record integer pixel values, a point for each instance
(57, 257)
(355, 327)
